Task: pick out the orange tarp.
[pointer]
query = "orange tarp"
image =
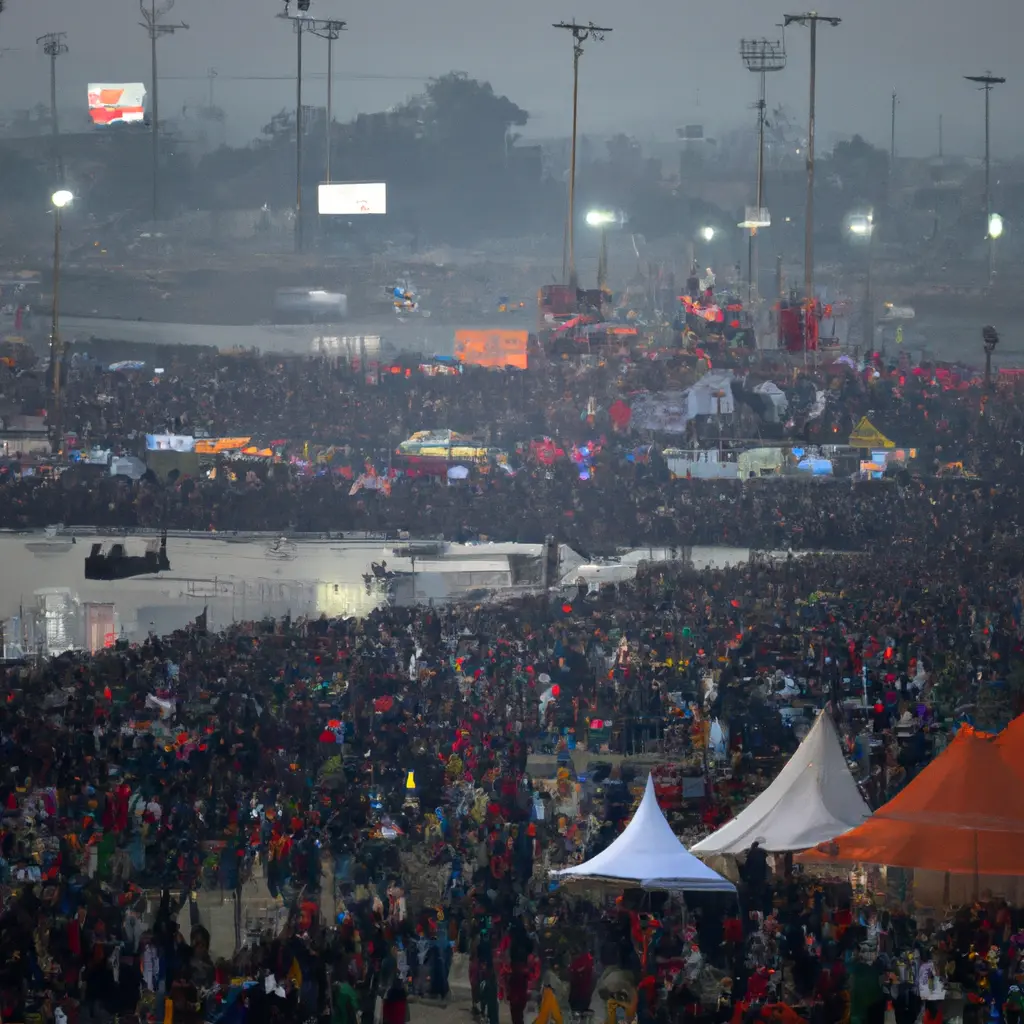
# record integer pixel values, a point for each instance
(492, 348)
(963, 814)
(216, 446)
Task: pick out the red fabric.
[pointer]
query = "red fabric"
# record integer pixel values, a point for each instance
(393, 1011)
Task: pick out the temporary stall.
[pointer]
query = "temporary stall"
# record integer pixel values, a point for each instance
(959, 816)
(648, 855)
(813, 799)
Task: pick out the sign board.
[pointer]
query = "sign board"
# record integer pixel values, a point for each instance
(352, 199)
(691, 133)
(496, 348)
(170, 443)
(117, 104)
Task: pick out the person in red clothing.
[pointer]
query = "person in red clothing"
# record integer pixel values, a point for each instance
(393, 1009)
(518, 992)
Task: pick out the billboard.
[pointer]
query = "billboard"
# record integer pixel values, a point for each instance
(492, 348)
(352, 198)
(117, 104)
(170, 443)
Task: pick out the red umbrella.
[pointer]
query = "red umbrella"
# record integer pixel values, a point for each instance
(383, 704)
(328, 737)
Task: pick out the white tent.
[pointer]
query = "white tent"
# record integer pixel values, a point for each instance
(648, 855)
(812, 800)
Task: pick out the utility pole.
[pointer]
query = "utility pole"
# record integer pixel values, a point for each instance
(329, 30)
(54, 46)
(987, 82)
(155, 26)
(211, 77)
(580, 35)
(759, 56)
(299, 23)
(940, 137)
(811, 18)
(892, 135)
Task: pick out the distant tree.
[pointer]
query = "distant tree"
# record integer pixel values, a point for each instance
(858, 170)
(465, 118)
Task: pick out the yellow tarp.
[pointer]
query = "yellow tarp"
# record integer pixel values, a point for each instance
(867, 435)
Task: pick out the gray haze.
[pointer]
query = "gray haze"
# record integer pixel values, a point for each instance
(666, 63)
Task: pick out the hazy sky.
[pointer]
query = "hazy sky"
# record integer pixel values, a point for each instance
(665, 64)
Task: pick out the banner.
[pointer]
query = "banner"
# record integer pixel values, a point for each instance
(217, 445)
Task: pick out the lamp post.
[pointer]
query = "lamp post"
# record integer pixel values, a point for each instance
(811, 19)
(863, 226)
(60, 199)
(601, 219)
(580, 35)
(987, 82)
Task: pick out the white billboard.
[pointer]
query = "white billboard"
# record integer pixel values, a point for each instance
(170, 443)
(352, 199)
(117, 104)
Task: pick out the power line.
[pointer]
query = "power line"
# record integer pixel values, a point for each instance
(354, 77)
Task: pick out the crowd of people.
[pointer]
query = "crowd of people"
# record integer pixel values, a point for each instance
(401, 786)
(304, 407)
(393, 769)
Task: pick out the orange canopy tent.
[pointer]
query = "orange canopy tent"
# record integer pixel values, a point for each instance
(963, 814)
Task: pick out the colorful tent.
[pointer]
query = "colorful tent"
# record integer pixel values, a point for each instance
(648, 855)
(867, 435)
(961, 815)
(813, 798)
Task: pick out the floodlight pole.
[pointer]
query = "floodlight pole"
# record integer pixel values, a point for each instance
(811, 18)
(987, 82)
(151, 15)
(760, 56)
(580, 35)
(329, 30)
(54, 46)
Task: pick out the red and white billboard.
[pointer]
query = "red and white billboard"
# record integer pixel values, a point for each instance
(117, 104)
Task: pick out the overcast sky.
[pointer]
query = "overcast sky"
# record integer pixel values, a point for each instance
(665, 64)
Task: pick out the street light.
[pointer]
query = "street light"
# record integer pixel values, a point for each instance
(601, 219)
(862, 225)
(60, 199)
(995, 226)
(707, 233)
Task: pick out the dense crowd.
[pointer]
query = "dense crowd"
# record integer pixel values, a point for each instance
(304, 406)
(400, 787)
(388, 769)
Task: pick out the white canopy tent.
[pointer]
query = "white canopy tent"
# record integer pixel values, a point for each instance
(648, 855)
(812, 800)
